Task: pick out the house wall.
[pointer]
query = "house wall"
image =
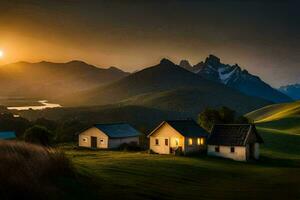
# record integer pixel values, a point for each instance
(85, 138)
(166, 132)
(256, 151)
(239, 153)
(116, 142)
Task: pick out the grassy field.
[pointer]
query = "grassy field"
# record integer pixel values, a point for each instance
(138, 175)
(125, 175)
(284, 118)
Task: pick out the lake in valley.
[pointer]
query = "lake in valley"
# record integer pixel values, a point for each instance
(43, 105)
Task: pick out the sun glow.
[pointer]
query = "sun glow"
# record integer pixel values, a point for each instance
(1, 54)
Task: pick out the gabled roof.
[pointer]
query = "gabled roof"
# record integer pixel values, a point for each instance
(187, 128)
(118, 130)
(7, 135)
(233, 134)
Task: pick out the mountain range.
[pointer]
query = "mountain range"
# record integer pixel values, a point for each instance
(235, 77)
(168, 87)
(291, 90)
(46, 79)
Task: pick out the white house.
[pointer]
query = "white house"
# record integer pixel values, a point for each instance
(235, 141)
(184, 136)
(108, 136)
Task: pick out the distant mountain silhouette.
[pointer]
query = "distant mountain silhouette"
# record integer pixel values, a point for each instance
(235, 77)
(292, 91)
(167, 86)
(47, 79)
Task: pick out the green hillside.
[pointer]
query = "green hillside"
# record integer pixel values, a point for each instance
(283, 118)
(193, 100)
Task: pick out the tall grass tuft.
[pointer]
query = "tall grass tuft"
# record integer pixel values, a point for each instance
(27, 171)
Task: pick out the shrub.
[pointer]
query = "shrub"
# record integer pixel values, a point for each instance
(132, 146)
(38, 135)
(209, 117)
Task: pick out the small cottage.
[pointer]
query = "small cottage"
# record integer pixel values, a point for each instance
(108, 136)
(235, 141)
(184, 136)
(7, 135)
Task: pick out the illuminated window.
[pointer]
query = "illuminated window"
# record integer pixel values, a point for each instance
(176, 141)
(166, 142)
(201, 141)
(156, 142)
(84, 139)
(190, 141)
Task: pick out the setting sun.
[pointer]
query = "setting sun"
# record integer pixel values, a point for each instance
(1, 54)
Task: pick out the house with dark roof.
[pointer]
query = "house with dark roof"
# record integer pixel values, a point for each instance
(108, 136)
(7, 135)
(235, 141)
(184, 136)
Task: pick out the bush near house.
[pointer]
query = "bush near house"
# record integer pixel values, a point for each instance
(38, 135)
(224, 115)
(132, 146)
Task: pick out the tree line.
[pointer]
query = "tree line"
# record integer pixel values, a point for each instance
(47, 132)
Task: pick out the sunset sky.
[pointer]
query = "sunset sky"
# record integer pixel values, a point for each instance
(261, 36)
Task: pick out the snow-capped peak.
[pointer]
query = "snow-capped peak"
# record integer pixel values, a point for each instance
(225, 76)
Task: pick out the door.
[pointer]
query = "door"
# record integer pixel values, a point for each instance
(93, 142)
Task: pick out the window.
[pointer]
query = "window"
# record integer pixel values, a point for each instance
(84, 139)
(176, 141)
(232, 149)
(156, 142)
(190, 141)
(200, 141)
(166, 142)
(217, 149)
(101, 140)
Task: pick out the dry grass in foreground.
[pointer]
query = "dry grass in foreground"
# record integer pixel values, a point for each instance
(27, 171)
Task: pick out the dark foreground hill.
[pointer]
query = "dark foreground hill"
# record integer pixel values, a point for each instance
(235, 77)
(46, 80)
(169, 87)
(29, 171)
